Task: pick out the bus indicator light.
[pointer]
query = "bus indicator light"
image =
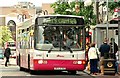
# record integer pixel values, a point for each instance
(36, 62)
(83, 62)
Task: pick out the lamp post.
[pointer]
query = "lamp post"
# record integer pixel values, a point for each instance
(107, 27)
(119, 36)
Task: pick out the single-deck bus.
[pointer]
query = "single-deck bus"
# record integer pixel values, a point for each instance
(54, 42)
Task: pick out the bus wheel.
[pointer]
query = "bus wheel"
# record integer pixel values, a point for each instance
(22, 69)
(19, 60)
(28, 61)
(72, 72)
(32, 71)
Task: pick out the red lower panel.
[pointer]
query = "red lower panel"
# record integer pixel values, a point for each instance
(58, 65)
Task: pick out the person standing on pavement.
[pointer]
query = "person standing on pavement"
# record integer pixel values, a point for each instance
(104, 49)
(114, 49)
(7, 54)
(117, 63)
(87, 60)
(93, 58)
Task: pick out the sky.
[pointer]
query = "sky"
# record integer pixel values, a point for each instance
(14, 2)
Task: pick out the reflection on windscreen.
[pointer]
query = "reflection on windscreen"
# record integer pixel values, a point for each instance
(58, 38)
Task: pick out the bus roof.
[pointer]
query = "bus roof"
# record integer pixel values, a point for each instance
(61, 16)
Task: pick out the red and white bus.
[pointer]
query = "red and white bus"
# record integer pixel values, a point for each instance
(55, 42)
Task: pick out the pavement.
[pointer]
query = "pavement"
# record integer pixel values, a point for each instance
(12, 61)
(98, 74)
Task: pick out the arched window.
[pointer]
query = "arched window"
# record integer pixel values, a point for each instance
(12, 26)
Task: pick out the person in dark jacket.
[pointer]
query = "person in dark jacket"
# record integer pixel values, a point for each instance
(114, 49)
(7, 55)
(104, 49)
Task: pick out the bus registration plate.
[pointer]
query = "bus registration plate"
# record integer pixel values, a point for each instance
(59, 68)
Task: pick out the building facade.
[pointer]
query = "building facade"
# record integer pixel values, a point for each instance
(12, 16)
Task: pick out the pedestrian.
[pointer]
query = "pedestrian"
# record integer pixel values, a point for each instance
(104, 49)
(114, 49)
(7, 54)
(87, 60)
(117, 63)
(93, 58)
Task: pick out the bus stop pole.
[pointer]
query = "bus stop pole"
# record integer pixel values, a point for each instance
(107, 27)
(119, 38)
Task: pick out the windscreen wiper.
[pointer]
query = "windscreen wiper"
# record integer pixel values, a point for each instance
(67, 48)
(50, 50)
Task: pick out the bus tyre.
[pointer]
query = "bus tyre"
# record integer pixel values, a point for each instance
(72, 72)
(22, 69)
(32, 71)
(19, 60)
(28, 61)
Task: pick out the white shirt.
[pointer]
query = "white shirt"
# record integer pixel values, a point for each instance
(92, 53)
(117, 56)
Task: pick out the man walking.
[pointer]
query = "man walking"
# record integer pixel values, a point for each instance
(7, 55)
(104, 49)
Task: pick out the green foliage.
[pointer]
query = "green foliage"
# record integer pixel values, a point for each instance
(112, 5)
(5, 34)
(66, 8)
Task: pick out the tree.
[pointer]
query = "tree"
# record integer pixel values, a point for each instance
(112, 5)
(66, 8)
(5, 34)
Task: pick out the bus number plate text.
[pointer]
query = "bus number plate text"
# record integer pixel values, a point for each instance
(59, 68)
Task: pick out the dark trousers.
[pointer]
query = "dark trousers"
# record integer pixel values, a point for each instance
(93, 66)
(116, 67)
(7, 60)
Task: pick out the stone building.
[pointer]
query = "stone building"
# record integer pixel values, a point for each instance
(11, 16)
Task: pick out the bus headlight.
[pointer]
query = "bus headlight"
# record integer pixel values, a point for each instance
(78, 62)
(42, 62)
